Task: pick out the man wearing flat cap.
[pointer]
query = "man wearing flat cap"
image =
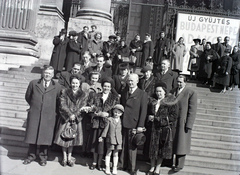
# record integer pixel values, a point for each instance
(110, 49)
(59, 52)
(134, 101)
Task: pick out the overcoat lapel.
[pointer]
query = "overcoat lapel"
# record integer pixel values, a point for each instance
(40, 85)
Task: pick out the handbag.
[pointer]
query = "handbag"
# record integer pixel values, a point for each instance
(125, 59)
(133, 58)
(70, 130)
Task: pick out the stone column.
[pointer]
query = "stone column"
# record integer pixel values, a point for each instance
(48, 24)
(17, 32)
(93, 12)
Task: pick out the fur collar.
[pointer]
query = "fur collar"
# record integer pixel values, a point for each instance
(169, 100)
(74, 97)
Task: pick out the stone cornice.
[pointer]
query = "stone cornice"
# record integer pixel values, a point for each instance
(48, 8)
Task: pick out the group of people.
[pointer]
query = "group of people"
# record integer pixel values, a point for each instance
(68, 50)
(111, 114)
(215, 63)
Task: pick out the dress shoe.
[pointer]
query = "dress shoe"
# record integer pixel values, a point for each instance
(27, 161)
(100, 168)
(176, 169)
(93, 166)
(133, 173)
(43, 163)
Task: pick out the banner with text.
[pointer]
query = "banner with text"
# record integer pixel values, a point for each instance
(190, 26)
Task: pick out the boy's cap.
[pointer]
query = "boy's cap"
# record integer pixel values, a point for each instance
(119, 107)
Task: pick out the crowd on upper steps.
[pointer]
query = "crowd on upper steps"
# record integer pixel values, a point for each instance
(104, 105)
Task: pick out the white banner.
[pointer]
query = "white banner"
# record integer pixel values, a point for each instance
(190, 26)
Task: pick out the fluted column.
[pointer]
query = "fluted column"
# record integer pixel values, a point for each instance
(95, 12)
(95, 9)
(17, 31)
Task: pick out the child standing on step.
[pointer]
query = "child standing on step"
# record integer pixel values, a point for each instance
(113, 135)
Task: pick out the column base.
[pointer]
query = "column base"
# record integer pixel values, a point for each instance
(106, 27)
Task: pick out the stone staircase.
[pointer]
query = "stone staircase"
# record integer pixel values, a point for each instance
(215, 140)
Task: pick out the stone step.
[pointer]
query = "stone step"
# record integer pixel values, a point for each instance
(17, 73)
(223, 124)
(12, 140)
(220, 164)
(14, 107)
(12, 130)
(15, 151)
(12, 95)
(228, 107)
(218, 112)
(13, 114)
(215, 153)
(19, 76)
(212, 101)
(215, 136)
(12, 89)
(13, 84)
(218, 118)
(15, 80)
(214, 129)
(18, 123)
(11, 100)
(215, 144)
(220, 97)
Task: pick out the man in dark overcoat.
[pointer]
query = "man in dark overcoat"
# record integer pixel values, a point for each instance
(134, 101)
(187, 102)
(167, 76)
(42, 97)
(59, 51)
(83, 38)
(162, 49)
(64, 77)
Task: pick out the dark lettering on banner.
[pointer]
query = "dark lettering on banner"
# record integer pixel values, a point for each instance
(211, 20)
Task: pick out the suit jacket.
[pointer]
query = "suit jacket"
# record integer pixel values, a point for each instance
(135, 111)
(64, 79)
(113, 132)
(169, 78)
(187, 103)
(119, 83)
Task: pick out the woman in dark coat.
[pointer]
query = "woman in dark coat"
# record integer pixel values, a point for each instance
(136, 49)
(163, 114)
(95, 46)
(74, 50)
(209, 55)
(72, 102)
(104, 103)
(59, 51)
(123, 52)
(147, 51)
(223, 72)
(234, 77)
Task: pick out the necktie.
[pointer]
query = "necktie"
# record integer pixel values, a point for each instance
(45, 85)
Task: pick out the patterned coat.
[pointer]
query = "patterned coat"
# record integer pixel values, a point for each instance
(148, 85)
(162, 127)
(70, 104)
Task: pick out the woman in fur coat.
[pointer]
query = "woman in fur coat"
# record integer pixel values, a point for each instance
(163, 114)
(72, 102)
(104, 102)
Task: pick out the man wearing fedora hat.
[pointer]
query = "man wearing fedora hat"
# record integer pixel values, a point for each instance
(133, 120)
(59, 51)
(110, 49)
